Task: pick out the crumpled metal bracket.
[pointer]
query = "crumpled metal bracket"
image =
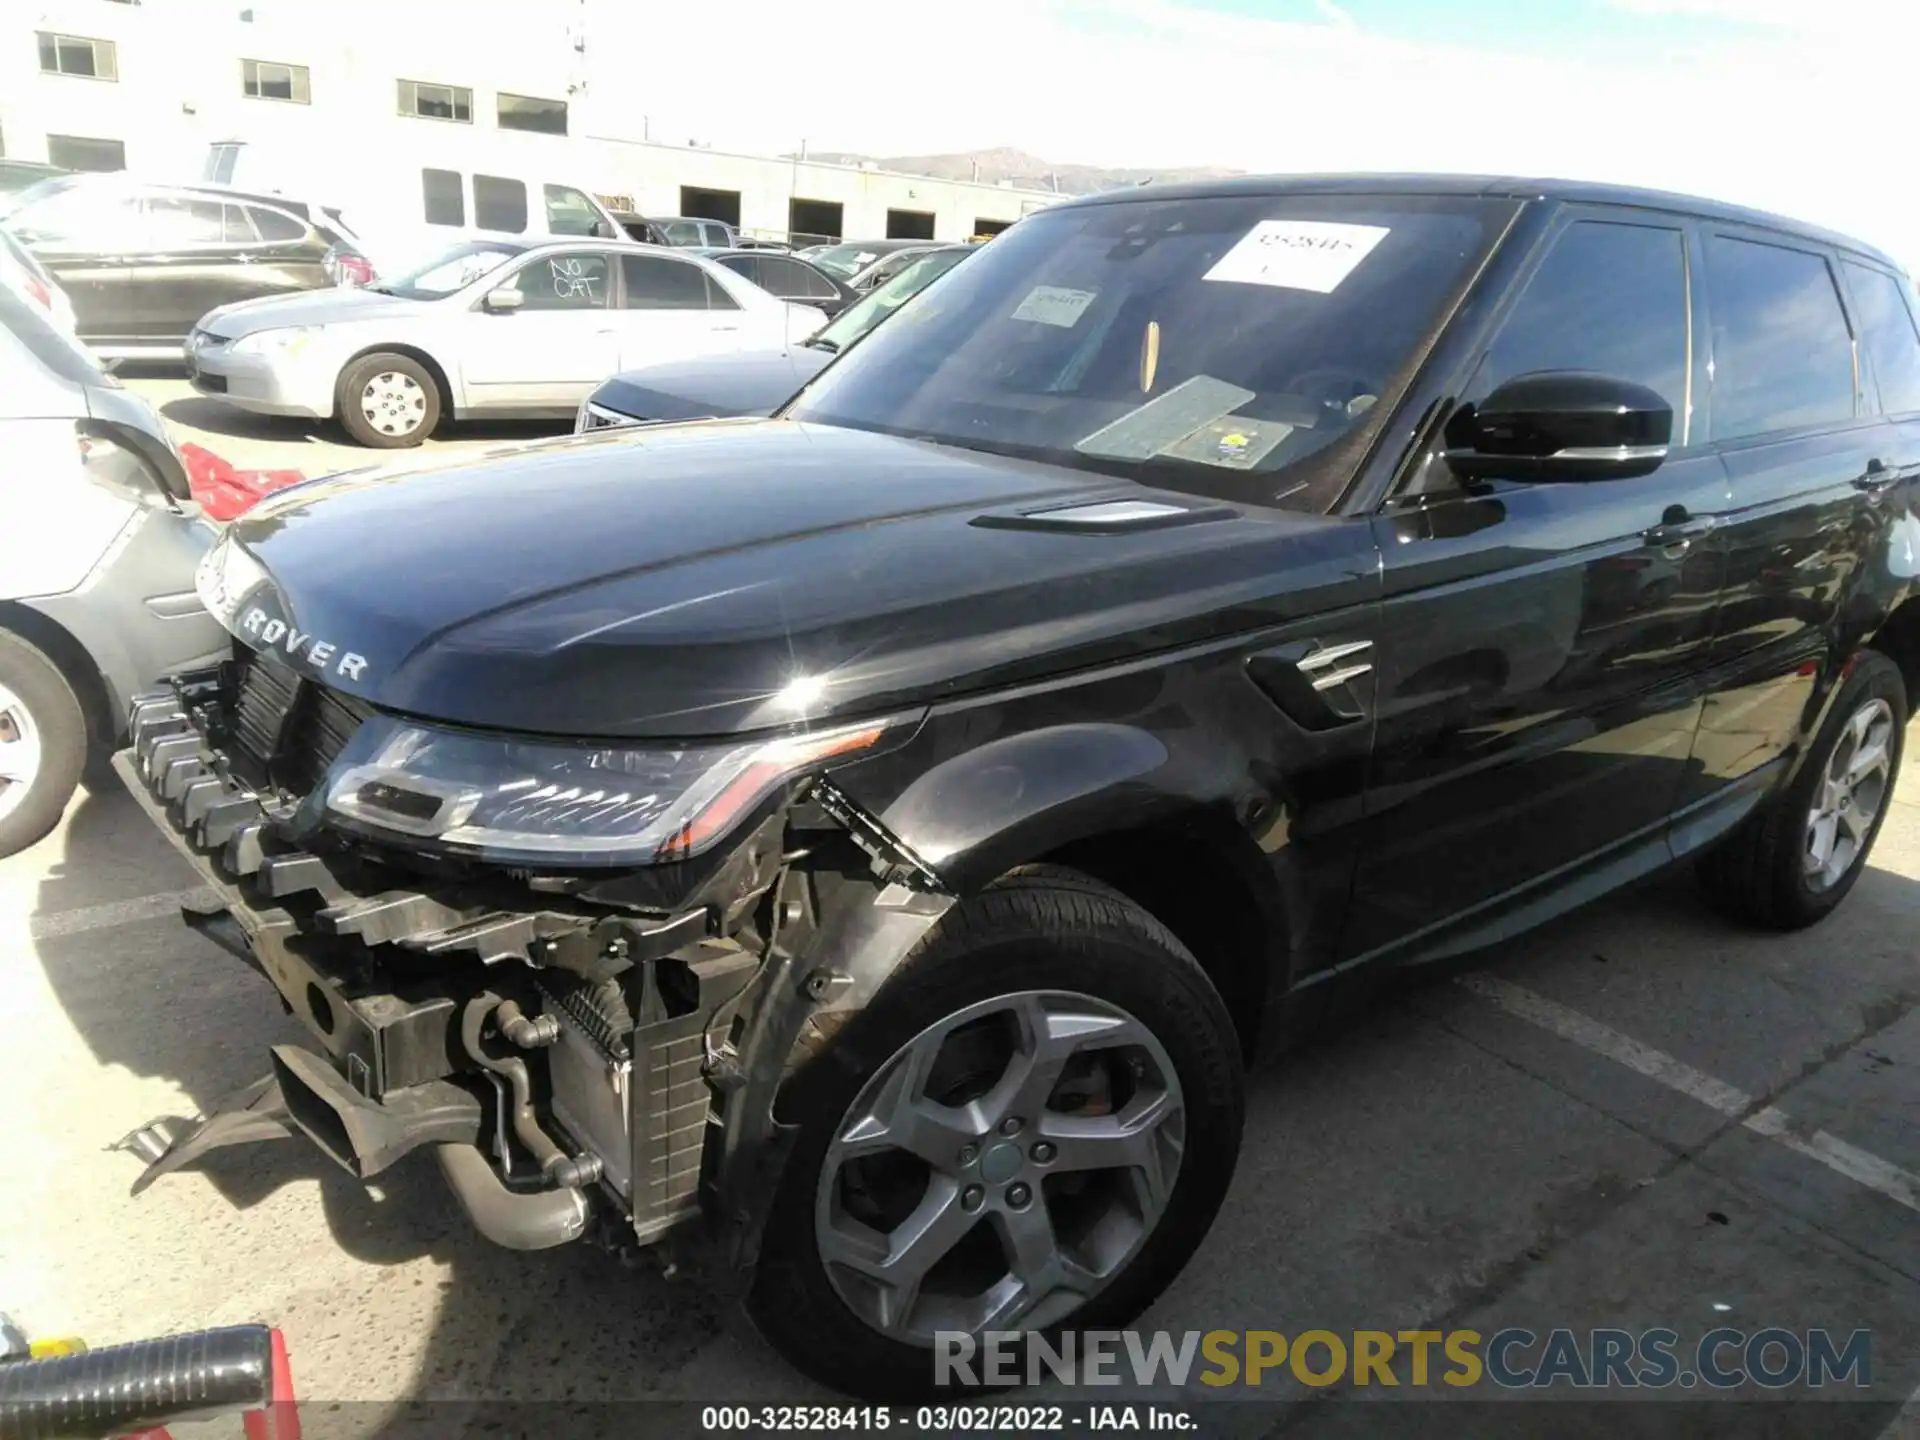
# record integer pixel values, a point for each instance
(168, 1142)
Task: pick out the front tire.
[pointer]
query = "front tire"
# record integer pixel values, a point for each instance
(1031, 1127)
(1792, 863)
(43, 744)
(388, 401)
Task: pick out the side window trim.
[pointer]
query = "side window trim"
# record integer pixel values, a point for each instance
(1783, 240)
(1865, 365)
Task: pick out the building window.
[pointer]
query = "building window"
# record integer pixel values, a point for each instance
(525, 112)
(81, 152)
(499, 204)
(270, 80)
(76, 55)
(445, 195)
(436, 102)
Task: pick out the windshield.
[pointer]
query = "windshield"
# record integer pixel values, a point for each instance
(877, 305)
(451, 269)
(845, 261)
(1239, 347)
(680, 232)
(63, 204)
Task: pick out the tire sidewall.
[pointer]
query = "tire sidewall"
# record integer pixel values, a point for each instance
(1873, 676)
(354, 379)
(62, 727)
(793, 1300)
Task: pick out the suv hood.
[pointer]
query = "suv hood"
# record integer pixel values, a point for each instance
(677, 581)
(754, 383)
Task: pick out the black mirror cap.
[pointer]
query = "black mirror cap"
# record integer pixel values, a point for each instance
(1562, 425)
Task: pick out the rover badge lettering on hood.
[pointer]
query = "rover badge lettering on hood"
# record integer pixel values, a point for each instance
(319, 653)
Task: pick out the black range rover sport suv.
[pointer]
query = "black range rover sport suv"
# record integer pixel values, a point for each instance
(879, 835)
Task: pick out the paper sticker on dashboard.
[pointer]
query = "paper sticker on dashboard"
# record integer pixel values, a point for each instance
(1298, 254)
(1053, 305)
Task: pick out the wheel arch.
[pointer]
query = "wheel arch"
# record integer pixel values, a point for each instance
(1899, 640)
(74, 663)
(1123, 806)
(423, 357)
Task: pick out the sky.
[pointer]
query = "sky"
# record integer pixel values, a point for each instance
(1797, 106)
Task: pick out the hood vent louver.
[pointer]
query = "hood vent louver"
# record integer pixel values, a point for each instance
(1108, 517)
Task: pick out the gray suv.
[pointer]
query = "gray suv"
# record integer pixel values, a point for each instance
(99, 542)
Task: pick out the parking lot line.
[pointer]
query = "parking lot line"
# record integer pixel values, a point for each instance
(1582, 1030)
(1906, 1425)
(117, 912)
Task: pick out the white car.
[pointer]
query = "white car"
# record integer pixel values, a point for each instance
(484, 328)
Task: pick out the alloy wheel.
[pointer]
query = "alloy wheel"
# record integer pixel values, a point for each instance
(1850, 795)
(1001, 1168)
(394, 403)
(20, 751)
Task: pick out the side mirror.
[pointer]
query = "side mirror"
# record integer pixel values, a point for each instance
(504, 301)
(1561, 425)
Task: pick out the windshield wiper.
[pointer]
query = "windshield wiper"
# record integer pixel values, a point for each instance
(820, 342)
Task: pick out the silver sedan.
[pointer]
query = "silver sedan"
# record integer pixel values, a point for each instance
(482, 328)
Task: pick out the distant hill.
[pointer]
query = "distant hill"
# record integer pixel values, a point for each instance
(1029, 172)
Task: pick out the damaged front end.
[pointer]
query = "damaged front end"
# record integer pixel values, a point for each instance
(590, 1038)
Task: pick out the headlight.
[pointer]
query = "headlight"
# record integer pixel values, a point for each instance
(289, 340)
(543, 802)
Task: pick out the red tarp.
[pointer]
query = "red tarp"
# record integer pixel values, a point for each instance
(224, 492)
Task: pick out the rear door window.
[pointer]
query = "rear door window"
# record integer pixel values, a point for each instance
(445, 197)
(239, 227)
(500, 204)
(1886, 330)
(657, 283)
(176, 222)
(275, 225)
(1782, 353)
(747, 267)
(783, 278)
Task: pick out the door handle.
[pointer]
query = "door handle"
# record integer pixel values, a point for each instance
(1677, 534)
(1875, 478)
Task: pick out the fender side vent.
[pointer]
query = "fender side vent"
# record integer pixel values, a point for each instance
(1109, 517)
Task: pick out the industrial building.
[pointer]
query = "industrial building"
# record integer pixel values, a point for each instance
(151, 86)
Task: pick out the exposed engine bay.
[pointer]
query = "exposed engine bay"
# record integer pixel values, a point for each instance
(583, 1051)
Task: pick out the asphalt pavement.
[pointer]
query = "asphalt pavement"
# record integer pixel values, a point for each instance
(1638, 1117)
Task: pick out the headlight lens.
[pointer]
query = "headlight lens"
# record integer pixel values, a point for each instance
(290, 340)
(541, 802)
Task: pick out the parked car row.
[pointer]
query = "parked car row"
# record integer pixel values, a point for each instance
(484, 328)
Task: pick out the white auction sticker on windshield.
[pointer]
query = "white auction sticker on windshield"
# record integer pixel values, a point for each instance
(1298, 254)
(1053, 305)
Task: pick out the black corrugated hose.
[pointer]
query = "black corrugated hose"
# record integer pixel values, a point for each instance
(133, 1387)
